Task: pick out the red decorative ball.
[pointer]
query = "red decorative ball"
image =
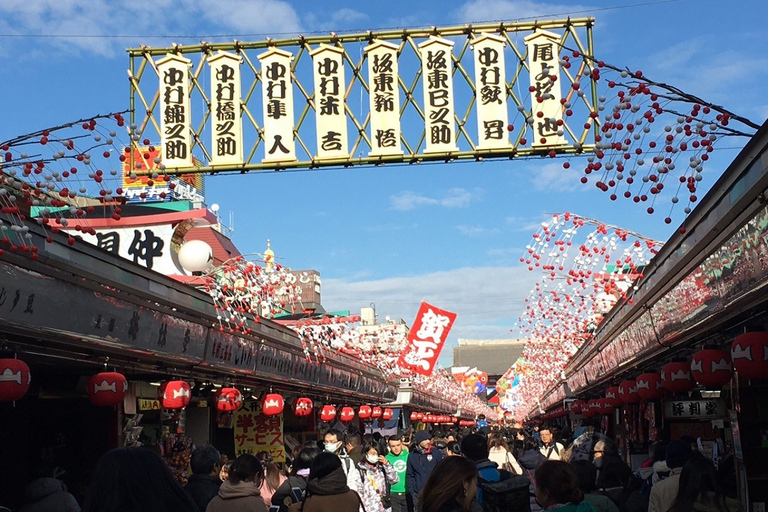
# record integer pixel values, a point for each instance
(676, 377)
(14, 379)
(414, 416)
(272, 404)
(107, 388)
(229, 399)
(174, 394)
(347, 414)
(364, 412)
(376, 412)
(328, 412)
(712, 367)
(387, 414)
(749, 353)
(302, 406)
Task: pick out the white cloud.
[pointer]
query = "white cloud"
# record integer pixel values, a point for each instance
(491, 10)
(476, 231)
(342, 19)
(488, 300)
(453, 198)
(552, 177)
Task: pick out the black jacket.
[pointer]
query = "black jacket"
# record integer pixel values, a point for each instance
(283, 496)
(529, 461)
(419, 467)
(202, 489)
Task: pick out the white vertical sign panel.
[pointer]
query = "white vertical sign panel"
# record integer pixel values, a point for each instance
(226, 121)
(175, 114)
(544, 63)
(384, 98)
(330, 114)
(491, 92)
(437, 77)
(277, 96)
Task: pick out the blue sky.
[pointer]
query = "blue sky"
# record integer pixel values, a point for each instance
(450, 234)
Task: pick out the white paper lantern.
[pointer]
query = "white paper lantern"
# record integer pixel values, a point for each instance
(195, 256)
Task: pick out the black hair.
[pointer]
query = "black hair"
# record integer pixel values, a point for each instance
(560, 481)
(615, 473)
(372, 444)
(135, 480)
(530, 443)
(246, 467)
(474, 447)
(353, 439)
(587, 473)
(312, 444)
(678, 452)
(454, 447)
(659, 451)
(323, 465)
(698, 482)
(334, 432)
(204, 458)
(305, 458)
(395, 437)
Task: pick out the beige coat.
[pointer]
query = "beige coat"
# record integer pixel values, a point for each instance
(663, 494)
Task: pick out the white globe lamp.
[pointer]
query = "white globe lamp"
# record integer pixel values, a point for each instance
(195, 256)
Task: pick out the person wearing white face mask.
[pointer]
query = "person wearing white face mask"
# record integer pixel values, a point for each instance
(333, 444)
(377, 475)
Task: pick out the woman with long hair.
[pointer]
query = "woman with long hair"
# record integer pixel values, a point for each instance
(240, 492)
(557, 486)
(451, 487)
(699, 491)
(273, 478)
(327, 489)
(135, 480)
(499, 452)
(377, 474)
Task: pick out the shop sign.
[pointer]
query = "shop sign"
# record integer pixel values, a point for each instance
(699, 409)
(147, 404)
(256, 433)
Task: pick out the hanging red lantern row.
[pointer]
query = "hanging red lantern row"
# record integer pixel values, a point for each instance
(174, 394)
(414, 416)
(107, 388)
(613, 397)
(228, 399)
(327, 412)
(347, 414)
(712, 367)
(272, 404)
(14, 379)
(387, 414)
(302, 406)
(628, 392)
(676, 377)
(604, 406)
(420, 416)
(364, 412)
(749, 353)
(589, 410)
(577, 406)
(649, 386)
(594, 406)
(376, 412)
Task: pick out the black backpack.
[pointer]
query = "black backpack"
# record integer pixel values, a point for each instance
(510, 494)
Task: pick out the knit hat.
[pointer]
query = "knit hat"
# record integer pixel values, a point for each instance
(422, 435)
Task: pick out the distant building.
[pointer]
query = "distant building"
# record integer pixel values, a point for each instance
(493, 357)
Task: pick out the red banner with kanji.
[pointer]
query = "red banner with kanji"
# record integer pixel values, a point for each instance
(426, 338)
(256, 433)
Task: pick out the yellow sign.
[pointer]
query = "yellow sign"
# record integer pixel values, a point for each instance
(256, 433)
(149, 405)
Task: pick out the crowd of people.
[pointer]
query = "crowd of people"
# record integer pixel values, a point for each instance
(513, 470)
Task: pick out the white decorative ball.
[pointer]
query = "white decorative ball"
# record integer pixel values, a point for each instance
(195, 256)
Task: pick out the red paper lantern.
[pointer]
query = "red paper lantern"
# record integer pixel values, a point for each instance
(613, 397)
(590, 408)
(649, 386)
(174, 394)
(272, 404)
(676, 377)
(712, 367)
(364, 412)
(107, 388)
(302, 406)
(604, 406)
(387, 414)
(577, 406)
(376, 412)
(628, 392)
(14, 379)
(229, 399)
(414, 416)
(327, 412)
(419, 416)
(347, 414)
(749, 353)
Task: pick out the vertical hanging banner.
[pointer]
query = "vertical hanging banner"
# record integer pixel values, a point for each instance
(384, 98)
(256, 433)
(544, 65)
(277, 96)
(426, 339)
(227, 125)
(491, 92)
(175, 114)
(437, 77)
(330, 114)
